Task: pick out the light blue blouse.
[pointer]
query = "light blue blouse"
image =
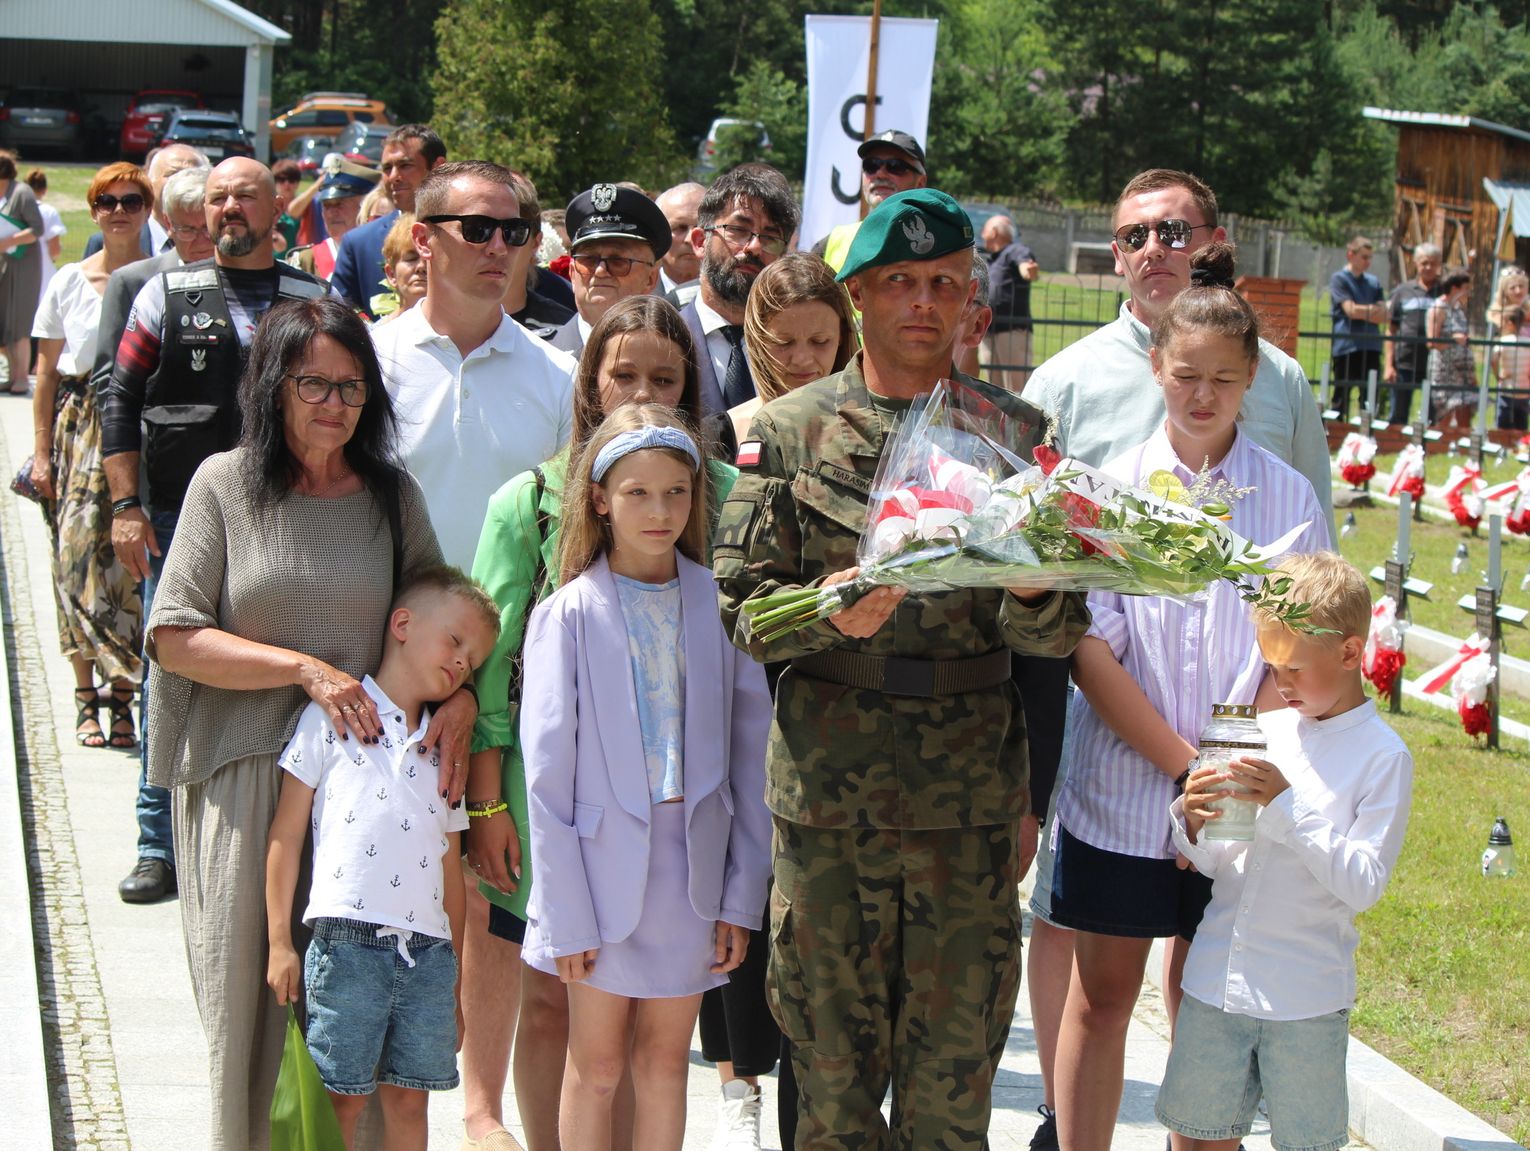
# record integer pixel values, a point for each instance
(655, 643)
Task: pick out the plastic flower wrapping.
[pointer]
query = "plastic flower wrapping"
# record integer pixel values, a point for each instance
(1463, 494)
(1515, 497)
(1408, 473)
(955, 505)
(1469, 673)
(1356, 459)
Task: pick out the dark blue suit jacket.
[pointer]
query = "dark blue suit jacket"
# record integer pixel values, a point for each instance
(359, 262)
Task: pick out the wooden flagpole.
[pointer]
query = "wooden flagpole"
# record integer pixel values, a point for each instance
(870, 129)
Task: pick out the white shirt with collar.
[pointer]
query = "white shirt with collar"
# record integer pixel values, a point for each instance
(469, 423)
(1102, 393)
(585, 328)
(1278, 938)
(719, 350)
(379, 824)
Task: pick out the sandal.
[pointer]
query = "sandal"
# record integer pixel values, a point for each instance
(123, 735)
(87, 728)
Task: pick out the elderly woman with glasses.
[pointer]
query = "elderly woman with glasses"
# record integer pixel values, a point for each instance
(100, 614)
(276, 591)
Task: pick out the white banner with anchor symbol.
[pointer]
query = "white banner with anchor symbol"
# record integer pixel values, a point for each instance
(838, 50)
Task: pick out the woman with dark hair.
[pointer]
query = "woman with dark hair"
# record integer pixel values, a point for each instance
(22, 280)
(638, 352)
(276, 591)
(100, 611)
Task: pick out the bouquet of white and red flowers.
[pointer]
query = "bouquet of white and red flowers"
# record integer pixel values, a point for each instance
(953, 505)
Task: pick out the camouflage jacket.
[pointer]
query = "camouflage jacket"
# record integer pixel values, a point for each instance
(848, 757)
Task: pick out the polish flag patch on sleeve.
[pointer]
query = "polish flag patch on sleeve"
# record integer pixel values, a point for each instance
(749, 454)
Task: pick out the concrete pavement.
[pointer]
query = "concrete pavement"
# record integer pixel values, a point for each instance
(116, 1058)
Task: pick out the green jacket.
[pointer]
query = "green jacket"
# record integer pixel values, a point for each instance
(848, 757)
(506, 565)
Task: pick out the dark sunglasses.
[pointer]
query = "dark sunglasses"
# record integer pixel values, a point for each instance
(1171, 234)
(479, 229)
(132, 203)
(316, 389)
(871, 165)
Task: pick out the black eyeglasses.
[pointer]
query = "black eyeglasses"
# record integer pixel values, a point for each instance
(618, 266)
(738, 236)
(871, 165)
(316, 389)
(1171, 234)
(478, 229)
(132, 203)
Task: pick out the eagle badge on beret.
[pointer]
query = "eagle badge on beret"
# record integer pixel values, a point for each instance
(920, 239)
(602, 196)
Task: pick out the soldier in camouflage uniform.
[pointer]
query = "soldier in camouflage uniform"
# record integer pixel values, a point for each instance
(897, 762)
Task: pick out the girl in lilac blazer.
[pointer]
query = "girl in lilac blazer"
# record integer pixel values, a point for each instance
(644, 734)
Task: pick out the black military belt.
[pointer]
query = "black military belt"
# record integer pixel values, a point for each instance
(894, 675)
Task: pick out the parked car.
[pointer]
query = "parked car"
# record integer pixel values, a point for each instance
(309, 152)
(146, 117)
(41, 118)
(325, 114)
(363, 142)
(728, 142)
(218, 134)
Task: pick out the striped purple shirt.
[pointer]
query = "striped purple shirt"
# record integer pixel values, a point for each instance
(1185, 656)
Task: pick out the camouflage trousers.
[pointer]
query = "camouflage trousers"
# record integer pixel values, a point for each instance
(894, 962)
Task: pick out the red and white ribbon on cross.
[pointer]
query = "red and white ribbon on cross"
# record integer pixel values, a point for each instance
(1437, 677)
(1356, 459)
(1463, 494)
(1408, 471)
(1383, 659)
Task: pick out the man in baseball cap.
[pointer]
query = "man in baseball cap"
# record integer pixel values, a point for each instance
(617, 237)
(891, 162)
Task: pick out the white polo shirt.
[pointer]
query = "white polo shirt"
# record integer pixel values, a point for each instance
(468, 424)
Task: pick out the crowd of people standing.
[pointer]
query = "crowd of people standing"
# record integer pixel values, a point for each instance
(432, 563)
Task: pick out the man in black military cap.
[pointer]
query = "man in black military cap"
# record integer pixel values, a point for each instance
(891, 162)
(617, 237)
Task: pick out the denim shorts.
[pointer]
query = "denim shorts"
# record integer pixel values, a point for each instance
(1221, 1063)
(374, 1019)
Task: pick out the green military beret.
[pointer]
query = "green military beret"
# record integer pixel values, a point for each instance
(919, 224)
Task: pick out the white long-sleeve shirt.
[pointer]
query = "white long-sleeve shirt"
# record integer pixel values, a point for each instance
(1278, 939)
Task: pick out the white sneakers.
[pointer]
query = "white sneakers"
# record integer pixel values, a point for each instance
(738, 1120)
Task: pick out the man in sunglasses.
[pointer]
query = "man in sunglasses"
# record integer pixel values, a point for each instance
(1103, 395)
(891, 162)
(617, 237)
(745, 222)
(478, 397)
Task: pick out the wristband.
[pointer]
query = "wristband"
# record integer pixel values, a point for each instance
(126, 503)
(486, 808)
(1179, 784)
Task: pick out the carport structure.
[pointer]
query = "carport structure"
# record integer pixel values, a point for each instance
(106, 50)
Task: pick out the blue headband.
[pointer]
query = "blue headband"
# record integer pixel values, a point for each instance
(641, 439)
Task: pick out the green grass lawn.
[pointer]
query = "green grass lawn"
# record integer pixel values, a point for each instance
(1444, 959)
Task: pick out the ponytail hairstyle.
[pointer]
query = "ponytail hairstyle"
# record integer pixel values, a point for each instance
(1211, 303)
(586, 535)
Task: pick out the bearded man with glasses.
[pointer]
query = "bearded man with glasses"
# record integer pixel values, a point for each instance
(617, 237)
(745, 222)
(1103, 395)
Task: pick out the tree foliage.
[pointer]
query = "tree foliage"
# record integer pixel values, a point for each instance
(565, 90)
(1263, 98)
